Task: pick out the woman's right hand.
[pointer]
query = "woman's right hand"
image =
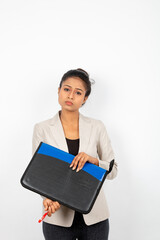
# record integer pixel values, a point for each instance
(50, 206)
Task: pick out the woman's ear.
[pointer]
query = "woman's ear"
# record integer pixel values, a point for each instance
(58, 90)
(85, 99)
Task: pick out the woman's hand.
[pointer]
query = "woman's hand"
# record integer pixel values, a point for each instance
(50, 206)
(80, 159)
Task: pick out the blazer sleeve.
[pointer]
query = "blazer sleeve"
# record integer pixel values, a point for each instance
(105, 153)
(37, 137)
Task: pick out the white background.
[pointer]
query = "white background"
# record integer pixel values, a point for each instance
(117, 42)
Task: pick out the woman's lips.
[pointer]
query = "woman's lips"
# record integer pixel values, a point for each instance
(69, 103)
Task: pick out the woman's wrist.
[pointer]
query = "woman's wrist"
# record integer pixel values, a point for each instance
(94, 161)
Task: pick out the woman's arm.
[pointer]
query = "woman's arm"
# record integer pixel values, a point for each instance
(105, 153)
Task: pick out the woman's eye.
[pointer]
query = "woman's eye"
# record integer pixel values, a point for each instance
(67, 89)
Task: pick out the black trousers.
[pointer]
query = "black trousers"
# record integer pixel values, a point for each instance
(79, 230)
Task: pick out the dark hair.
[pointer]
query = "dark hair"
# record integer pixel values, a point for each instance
(82, 74)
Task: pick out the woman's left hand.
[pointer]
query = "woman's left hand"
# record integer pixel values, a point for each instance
(80, 159)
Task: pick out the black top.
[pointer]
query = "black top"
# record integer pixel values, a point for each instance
(73, 146)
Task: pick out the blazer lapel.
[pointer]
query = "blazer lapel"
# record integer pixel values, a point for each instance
(57, 132)
(85, 128)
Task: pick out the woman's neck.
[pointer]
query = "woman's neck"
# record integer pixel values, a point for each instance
(69, 117)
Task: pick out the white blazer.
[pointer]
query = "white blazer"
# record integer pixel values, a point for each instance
(95, 142)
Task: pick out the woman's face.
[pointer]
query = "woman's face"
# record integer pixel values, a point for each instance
(71, 95)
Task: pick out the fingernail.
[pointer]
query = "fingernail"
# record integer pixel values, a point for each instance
(77, 170)
(73, 168)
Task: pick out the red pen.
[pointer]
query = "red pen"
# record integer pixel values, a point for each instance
(40, 220)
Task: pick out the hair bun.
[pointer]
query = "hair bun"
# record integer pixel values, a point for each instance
(80, 69)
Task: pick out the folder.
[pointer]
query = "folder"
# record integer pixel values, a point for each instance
(48, 174)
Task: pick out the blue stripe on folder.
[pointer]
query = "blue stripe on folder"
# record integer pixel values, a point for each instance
(90, 168)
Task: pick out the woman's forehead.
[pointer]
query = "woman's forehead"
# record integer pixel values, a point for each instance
(74, 82)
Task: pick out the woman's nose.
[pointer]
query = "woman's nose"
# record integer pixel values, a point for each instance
(71, 94)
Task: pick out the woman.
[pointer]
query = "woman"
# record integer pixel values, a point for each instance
(87, 139)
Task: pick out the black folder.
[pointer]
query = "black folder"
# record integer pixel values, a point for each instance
(49, 175)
